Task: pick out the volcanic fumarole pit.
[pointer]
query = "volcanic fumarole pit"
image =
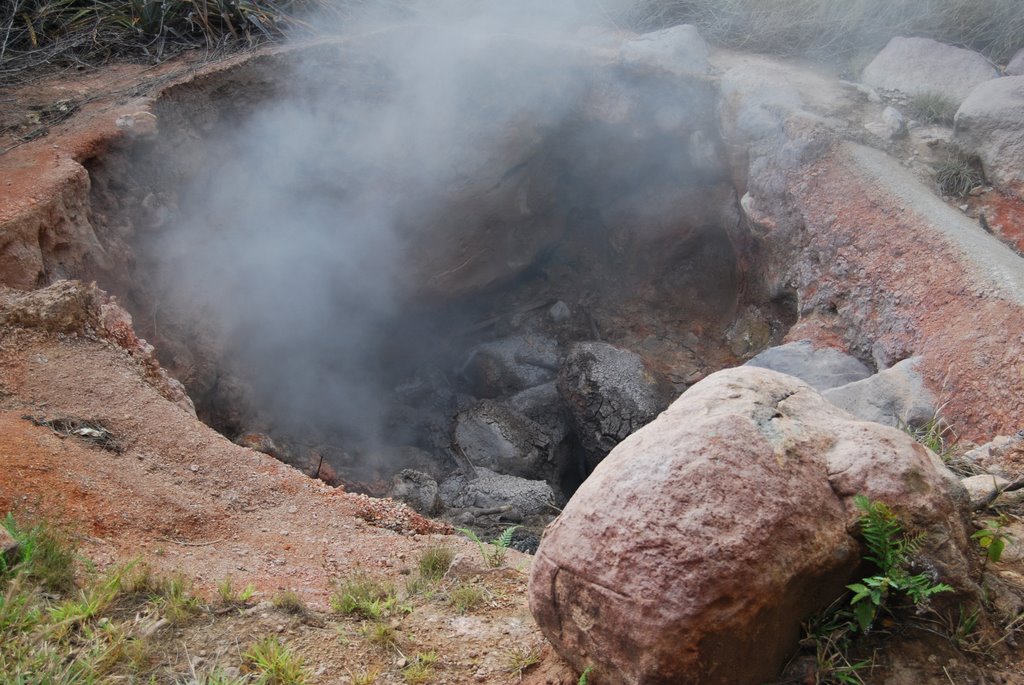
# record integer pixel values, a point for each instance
(444, 262)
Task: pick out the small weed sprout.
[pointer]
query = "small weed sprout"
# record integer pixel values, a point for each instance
(435, 562)
(46, 555)
(494, 557)
(585, 676)
(380, 634)
(932, 108)
(364, 677)
(274, 663)
(935, 434)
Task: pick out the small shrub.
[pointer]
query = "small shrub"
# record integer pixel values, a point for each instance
(932, 108)
(175, 600)
(380, 634)
(957, 175)
(364, 677)
(435, 562)
(274, 664)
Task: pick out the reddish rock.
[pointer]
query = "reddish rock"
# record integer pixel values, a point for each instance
(716, 529)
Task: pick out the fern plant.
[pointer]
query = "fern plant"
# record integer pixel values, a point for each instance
(890, 549)
(495, 557)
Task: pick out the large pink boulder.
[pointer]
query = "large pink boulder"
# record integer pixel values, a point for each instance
(697, 547)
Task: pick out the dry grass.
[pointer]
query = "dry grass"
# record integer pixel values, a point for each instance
(840, 29)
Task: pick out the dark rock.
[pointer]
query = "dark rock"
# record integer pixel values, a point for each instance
(501, 439)
(610, 393)
(518, 497)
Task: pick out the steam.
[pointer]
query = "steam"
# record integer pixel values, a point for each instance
(290, 239)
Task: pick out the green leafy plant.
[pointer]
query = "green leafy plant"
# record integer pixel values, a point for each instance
(585, 676)
(494, 557)
(890, 550)
(275, 664)
(46, 555)
(992, 538)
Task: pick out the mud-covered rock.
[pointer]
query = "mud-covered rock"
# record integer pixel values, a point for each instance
(896, 396)
(610, 393)
(418, 490)
(500, 367)
(990, 123)
(498, 438)
(821, 367)
(543, 405)
(913, 66)
(718, 528)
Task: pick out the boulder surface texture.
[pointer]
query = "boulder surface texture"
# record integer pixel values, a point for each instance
(990, 123)
(716, 529)
(821, 368)
(915, 66)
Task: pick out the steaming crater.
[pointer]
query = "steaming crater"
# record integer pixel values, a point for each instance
(381, 254)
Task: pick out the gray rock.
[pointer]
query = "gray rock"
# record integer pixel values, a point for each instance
(501, 439)
(913, 66)
(559, 312)
(498, 368)
(1016, 65)
(718, 528)
(679, 50)
(610, 393)
(821, 368)
(490, 490)
(418, 490)
(895, 397)
(891, 126)
(982, 488)
(990, 123)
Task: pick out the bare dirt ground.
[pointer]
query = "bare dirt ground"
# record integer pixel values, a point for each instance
(184, 499)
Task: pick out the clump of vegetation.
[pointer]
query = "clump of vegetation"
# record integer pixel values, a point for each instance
(957, 175)
(288, 601)
(494, 552)
(421, 669)
(380, 634)
(466, 596)
(47, 555)
(363, 596)
(518, 660)
(932, 108)
(232, 597)
(935, 434)
(435, 562)
(273, 663)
